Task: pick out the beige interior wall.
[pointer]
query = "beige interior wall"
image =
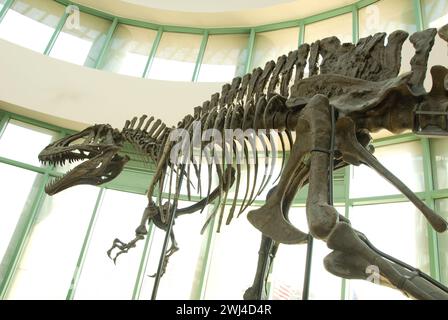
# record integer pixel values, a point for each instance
(72, 96)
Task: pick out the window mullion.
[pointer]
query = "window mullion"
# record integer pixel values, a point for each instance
(143, 262)
(5, 9)
(153, 52)
(429, 187)
(250, 50)
(56, 33)
(199, 288)
(3, 123)
(85, 246)
(106, 45)
(24, 234)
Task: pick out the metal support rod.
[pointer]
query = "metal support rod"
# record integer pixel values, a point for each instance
(306, 280)
(347, 177)
(143, 262)
(433, 246)
(199, 291)
(416, 271)
(167, 235)
(309, 250)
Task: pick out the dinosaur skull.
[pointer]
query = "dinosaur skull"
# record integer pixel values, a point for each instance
(98, 145)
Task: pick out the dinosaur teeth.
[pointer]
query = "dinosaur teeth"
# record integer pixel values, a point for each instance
(63, 158)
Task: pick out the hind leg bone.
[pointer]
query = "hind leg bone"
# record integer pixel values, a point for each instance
(311, 126)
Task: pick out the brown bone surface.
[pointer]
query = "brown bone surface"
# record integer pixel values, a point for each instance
(350, 91)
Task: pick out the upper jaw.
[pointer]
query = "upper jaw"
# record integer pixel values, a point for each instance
(58, 156)
(92, 172)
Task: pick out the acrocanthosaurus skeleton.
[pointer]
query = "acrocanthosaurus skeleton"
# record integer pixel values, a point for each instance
(352, 91)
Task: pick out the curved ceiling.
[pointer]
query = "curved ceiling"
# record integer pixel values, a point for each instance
(214, 13)
(206, 5)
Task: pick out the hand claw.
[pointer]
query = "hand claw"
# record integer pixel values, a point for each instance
(123, 247)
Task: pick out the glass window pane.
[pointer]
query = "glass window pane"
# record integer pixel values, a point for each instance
(233, 260)
(398, 229)
(387, 16)
(438, 56)
(2, 3)
(118, 216)
(31, 23)
(288, 272)
(405, 160)
(340, 26)
(439, 152)
(81, 44)
(23, 142)
(181, 274)
(442, 209)
(286, 278)
(16, 199)
(176, 57)
(272, 44)
(224, 58)
(323, 284)
(435, 13)
(129, 50)
(49, 260)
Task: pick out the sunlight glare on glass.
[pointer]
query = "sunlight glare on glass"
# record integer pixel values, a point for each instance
(216, 73)
(72, 49)
(439, 22)
(24, 31)
(23, 144)
(164, 69)
(132, 64)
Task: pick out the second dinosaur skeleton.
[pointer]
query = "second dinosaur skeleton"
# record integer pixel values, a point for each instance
(354, 90)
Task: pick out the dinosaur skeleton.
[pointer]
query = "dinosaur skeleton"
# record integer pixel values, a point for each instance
(351, 91)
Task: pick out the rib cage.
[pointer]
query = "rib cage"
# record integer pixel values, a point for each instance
(256, 101)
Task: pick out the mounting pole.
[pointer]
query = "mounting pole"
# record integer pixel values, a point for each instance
(309, 249)
(155, 287)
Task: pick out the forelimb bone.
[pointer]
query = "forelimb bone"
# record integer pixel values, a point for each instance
(352, 252)
(353, 152)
